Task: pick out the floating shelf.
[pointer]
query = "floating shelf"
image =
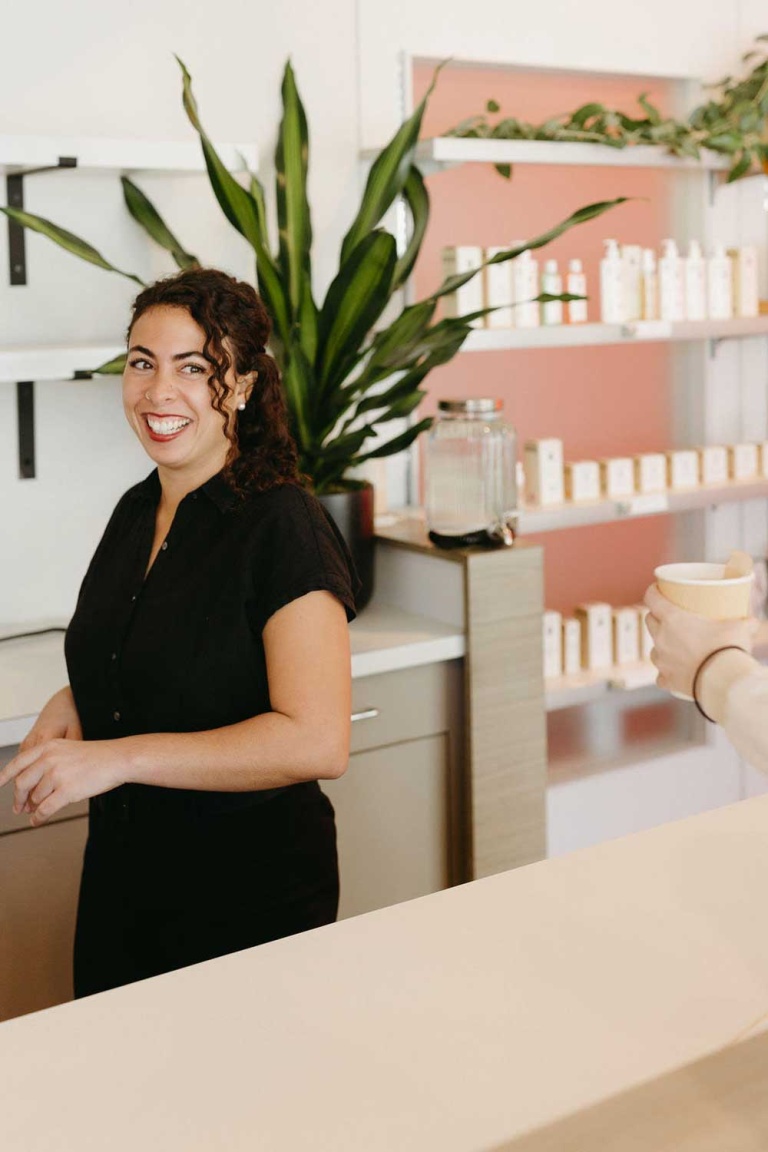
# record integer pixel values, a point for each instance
(586, 687)
(448, 151)
(591, 335)
(95, 153)
(534, 520)
(55, 362)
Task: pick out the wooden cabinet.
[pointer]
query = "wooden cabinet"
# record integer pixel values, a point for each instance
(398, 805)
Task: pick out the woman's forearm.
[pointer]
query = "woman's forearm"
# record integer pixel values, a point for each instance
(761, 639)
(268, 751)
(733, 690)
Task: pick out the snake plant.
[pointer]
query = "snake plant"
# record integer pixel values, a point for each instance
(346, 375)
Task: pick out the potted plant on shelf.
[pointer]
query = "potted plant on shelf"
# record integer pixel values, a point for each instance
(345, 379)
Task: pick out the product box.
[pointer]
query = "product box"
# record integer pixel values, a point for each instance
(544, 473)
(617, 477)
(571, 646)
(683, 469)
(626, 636)
(471, 296)
(498, 291)
(631, 260)
(743, 461)
(596, 635)
(646, 640)
(651, 472)
(713, 464)
(582, 481)
(746, 296)
(553, 645)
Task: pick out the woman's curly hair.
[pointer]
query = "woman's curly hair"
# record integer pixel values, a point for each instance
(262, 451)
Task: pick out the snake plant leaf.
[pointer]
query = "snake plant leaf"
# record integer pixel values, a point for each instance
(145, 214)
(388, 175)
(387, 346)
(293, 215)
(355, 300)
(402, 407)
(417, 199)
(400, 443)
(582, 216)
(244, 214)
(65, 240)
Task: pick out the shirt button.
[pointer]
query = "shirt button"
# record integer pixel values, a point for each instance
(164, 545)
(133, 599)
(113, 656)
(115, 715)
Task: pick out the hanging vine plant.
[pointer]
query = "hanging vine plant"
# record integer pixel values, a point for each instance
(732, 123)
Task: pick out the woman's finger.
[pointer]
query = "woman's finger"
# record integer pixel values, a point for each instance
(39, 793)
(25, 782)
(652, 624)
(654, 657)
(49, 807)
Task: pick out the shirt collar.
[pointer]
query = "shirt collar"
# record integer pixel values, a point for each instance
(216, 489)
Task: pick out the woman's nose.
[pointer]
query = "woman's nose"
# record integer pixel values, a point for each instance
(161, 388)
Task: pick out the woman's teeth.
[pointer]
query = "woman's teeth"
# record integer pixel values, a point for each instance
(167, 427)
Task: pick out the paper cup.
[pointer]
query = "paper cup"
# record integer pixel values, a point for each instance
(703, 588)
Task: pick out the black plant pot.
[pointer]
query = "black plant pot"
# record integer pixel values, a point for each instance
(352, 513)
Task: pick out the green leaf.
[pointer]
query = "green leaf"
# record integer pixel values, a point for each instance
(355, 300)
(740, 168)
(114, 367)
(300, 388)
(389, 345)
(417, 198)
(293, 215)
(145, 214)
(493, 106)
(504, 170)
(244, 213)
(66, 240)
(400, 443)
(387, 176)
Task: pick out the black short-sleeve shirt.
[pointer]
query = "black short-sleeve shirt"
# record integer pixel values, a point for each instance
(182, 650)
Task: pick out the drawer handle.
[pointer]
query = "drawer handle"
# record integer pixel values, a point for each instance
(366, 714)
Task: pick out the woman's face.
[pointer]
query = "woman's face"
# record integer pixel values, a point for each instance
(166, 396)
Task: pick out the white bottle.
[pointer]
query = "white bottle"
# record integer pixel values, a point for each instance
(720, 284)
(650, 285)
(631, 258)
(695, 283)
(671, 283)
(611, 285)
(525, 275)
(552, 283)
(576, 285)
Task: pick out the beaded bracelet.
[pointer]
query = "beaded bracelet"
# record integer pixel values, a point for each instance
(702, 666)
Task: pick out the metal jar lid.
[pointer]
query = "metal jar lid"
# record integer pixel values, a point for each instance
(484, 407)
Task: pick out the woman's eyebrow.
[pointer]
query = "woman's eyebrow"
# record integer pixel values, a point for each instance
(178, 356)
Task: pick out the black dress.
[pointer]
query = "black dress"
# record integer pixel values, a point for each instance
(174, 876)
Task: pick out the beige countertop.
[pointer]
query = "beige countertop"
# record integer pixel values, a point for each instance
(383, 639)
(455, 1022)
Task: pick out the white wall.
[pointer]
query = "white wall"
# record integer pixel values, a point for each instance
(96, 69)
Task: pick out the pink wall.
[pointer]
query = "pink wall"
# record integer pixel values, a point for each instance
(600, 401)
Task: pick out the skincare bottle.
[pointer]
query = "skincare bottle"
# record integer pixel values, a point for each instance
(650, 285)
(498, 292)
(695, 283)
(470, 296)
(631, 258)
(720, 285)
(525, 278)
(576, 285)
(611, 285)
(552, 283)
(671, 283)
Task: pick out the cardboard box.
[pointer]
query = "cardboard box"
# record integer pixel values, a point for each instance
(571, 646)
(596, 621)
(743, 462)
(683, 469)
(713, 464)
(626, 636)
(746, 296)
(471, 296)
(499, 291)
(582, 481)
(553, 645)
(617, 477)
(544, 472)
(651, 473)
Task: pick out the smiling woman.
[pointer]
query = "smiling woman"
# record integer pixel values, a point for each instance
(208, 659)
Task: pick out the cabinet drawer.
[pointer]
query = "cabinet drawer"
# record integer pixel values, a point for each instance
(402, 705)
(11, 823)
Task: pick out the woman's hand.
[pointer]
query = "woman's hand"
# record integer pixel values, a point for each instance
(57, 721)
(58, 772)
(682, 640)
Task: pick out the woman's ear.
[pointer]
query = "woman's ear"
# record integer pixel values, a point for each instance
(245, 386)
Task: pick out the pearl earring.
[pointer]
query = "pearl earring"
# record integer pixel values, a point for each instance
(241, 406)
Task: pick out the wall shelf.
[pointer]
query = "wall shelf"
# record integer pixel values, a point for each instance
(592, 335)
(53, 362)
(534, 520)
(586, 687)
(97, 154)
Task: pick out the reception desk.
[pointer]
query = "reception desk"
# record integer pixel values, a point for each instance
(464, 1020)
